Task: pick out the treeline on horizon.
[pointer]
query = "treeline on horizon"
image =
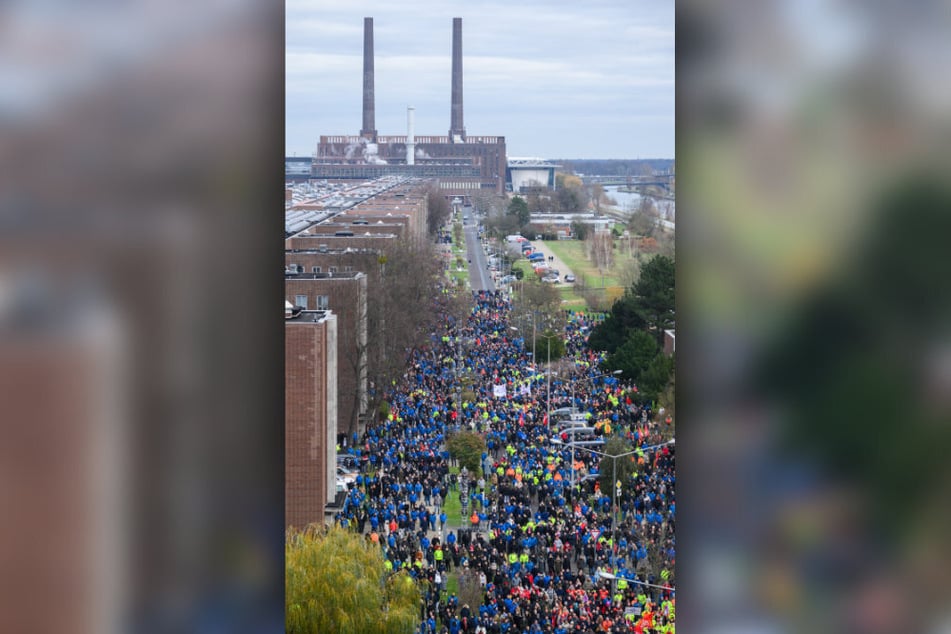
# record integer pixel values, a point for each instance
(614, 167)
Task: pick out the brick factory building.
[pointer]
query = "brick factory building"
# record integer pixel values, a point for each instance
(460, 164)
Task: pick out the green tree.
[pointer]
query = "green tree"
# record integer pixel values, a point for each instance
(611, 467)
(633, 356)
(580, 230)
(654, 294)
(648, 305)
(655, 377)
(611, 333)
(569, 199)
(336, 581)
(518, 209)
(467, 447)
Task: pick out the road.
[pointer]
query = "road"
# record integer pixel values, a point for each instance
(480, 279)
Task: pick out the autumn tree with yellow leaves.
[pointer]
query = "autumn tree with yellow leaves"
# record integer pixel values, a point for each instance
(336, 581)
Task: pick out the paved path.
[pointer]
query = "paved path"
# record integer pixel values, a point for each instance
(558, 264)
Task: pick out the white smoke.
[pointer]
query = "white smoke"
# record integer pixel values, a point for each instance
(372, 155)
(353, 148)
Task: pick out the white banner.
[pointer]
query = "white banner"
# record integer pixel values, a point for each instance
(525, 390)
(498, 391)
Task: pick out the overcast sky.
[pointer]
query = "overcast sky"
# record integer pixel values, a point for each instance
(557, 79)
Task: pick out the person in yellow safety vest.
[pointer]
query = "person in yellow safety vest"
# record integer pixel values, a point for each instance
(665, 574)
(388, 565)
(523, 558)
(500, 471)
(621, 583)
(438, 555)
(513, 558)
(618, 597)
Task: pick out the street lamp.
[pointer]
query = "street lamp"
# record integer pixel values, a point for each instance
(557, 441)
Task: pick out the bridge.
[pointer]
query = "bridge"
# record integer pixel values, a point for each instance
(662, 180)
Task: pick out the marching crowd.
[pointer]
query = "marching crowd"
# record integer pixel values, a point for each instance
(539, 536)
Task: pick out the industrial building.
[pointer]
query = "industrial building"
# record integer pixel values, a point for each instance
(525, 174)
(460, 164)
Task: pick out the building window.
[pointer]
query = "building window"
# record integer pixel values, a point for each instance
(300, 300)
(316, 269)
(333, 269)
(323, 302)
(347, 269)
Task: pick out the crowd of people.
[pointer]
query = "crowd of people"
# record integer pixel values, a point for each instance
(549, 549)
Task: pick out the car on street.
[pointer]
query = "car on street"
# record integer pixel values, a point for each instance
(551, 279)
(569, 278)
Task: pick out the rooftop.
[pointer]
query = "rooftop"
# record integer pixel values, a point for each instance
(344, 275)
(295, 315)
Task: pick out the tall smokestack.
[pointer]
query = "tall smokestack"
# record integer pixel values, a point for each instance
(410, 137)
(369, 110)
(457, 130)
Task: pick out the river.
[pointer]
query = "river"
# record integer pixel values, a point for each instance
(627, 201)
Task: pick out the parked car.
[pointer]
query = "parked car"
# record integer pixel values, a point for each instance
(569, 278)
(551, 279)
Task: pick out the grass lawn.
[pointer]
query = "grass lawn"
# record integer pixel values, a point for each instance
(570, 298)
(453, 509)
(572, 252)
(459, 275)
(452, 583)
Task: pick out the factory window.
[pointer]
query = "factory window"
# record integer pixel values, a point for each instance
(300, 300)
(323, 302)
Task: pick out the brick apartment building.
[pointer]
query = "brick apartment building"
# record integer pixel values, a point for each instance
(334, 261)
(379, 242)
(310, 414)
(341, 226)
(345, 294)
(409, 201)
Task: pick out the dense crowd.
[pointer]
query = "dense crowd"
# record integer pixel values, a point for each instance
(548, 555)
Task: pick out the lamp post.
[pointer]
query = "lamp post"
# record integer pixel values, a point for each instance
(590, 378)
(614, 458)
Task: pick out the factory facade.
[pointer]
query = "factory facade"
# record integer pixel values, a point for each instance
(460, 164)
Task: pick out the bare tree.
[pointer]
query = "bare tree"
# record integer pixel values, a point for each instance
(439, 210)
(401, 311)
(600, 249)
(644, 219)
